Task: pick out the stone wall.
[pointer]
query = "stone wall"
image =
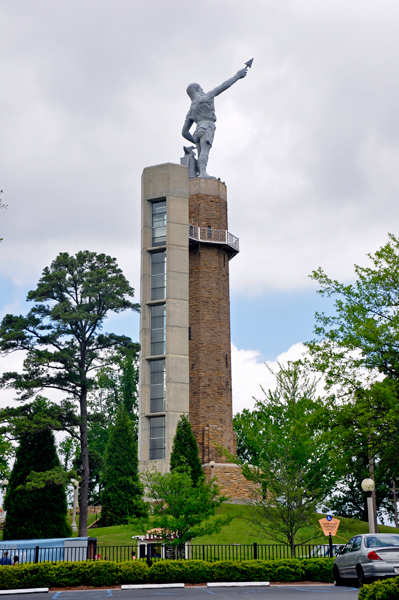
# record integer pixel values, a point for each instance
(231, 481)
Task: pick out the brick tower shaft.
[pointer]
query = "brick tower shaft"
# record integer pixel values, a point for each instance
(210, 401)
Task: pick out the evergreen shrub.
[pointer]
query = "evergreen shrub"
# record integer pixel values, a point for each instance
(98, 573)
(121, 498)
(388, 589)
(185, 453)
(181, 571)
(318, 569)
(41, 512)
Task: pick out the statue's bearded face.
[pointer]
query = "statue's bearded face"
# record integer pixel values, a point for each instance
(194, 90)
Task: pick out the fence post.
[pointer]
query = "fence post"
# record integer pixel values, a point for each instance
(36, 554)
(255, 550)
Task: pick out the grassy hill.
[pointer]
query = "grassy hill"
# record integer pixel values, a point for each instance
(240, 531)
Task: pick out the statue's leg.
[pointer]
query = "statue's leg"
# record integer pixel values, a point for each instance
(203, 157)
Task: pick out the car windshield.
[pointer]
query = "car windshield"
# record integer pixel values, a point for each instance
(379, 541)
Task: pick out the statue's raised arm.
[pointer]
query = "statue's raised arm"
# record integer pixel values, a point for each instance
(202, 112)
(226, 84)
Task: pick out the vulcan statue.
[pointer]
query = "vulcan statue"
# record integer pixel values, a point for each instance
(202, 112)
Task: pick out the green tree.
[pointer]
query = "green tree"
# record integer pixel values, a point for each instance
(122, 491)
(286, 459)
(359, 427)
(185, 454)
(6, 452)
(116, 385)
(63, 341)
(366, 320)
(32, 511)
(357, 350)
(182, 508)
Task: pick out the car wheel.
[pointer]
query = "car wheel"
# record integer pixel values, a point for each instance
(337, 576)
(362, 579)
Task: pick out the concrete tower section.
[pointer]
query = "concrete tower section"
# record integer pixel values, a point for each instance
(211, 248)
(164, 291)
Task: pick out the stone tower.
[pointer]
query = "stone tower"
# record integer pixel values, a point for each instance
(185, 365)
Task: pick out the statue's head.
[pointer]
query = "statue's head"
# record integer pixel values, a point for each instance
(194, 89)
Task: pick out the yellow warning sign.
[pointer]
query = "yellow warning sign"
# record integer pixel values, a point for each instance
(329, 525)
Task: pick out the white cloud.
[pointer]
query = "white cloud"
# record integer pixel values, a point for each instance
(308, 144)
(249, 373)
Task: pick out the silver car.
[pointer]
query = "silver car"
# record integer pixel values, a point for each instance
(368, 556)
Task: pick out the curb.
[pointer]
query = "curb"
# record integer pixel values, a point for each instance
(151, 586)
(239, 584)
(27, 591)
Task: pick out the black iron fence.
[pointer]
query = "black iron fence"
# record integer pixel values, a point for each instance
(154, 552)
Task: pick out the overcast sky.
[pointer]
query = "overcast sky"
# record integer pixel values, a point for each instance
(93, 91)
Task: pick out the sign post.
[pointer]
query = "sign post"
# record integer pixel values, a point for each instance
(329, 526)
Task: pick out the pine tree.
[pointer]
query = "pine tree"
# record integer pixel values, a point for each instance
(185, 453)
(35, 513)
(121, 495)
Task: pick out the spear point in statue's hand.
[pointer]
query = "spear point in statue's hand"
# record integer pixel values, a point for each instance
(248, 64)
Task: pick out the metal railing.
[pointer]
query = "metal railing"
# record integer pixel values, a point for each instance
(207, 552)
(214, 236)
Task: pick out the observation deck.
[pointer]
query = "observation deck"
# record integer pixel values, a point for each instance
(206, 235)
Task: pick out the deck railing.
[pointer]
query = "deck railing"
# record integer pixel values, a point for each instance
(214, 236)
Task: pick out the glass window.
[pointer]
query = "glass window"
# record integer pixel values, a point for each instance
(159, 223)
(158, 322)
(356, 544)
(158, 275)
(157, 438)
(348, 546)
(157, 385)
(379, 541)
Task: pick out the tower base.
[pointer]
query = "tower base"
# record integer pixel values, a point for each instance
(232, 482)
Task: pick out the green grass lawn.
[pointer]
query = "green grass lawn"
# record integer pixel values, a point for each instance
(238, 532)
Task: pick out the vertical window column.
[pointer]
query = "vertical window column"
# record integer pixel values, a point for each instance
(158, 275)
(157, 438)
(159, 223)
(158, 329)
(157, 385)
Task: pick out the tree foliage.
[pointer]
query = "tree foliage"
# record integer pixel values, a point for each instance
(6, 452)
(36, 511)
(357, 350)
(182, 508)
(362, 337)
(63, 341)
(122, 491)
(185, 453)
(116, 386)
(284, 456)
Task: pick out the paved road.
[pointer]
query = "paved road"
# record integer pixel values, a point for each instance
(282, 592)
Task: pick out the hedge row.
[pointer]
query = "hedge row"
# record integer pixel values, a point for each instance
(388, 589)
(100, 573)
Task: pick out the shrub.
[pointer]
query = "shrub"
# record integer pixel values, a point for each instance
(40, 512)
(380, 590)
(318, 569)
(181, 571)
(121, 496)
(73, 573)
(98, 573)
(185, 451)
